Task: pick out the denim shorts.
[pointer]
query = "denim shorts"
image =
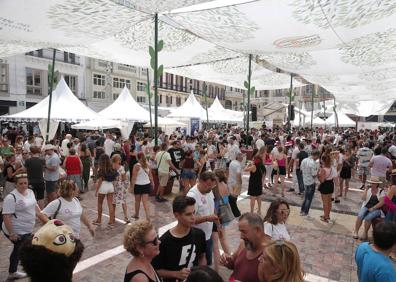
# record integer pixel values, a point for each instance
(188, 174)
(364, 214)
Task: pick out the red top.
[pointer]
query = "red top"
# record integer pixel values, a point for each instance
(72, 165)
(245, 269)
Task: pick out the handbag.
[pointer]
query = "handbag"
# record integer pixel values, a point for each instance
(225, 212)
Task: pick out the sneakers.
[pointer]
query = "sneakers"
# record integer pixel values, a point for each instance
(362, 187)
(16, 275)
(291, 190)
(303, 214)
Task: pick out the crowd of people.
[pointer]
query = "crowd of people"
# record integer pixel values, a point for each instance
(48, 180)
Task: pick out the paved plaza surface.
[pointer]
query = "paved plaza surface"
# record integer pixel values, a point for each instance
(326, 249)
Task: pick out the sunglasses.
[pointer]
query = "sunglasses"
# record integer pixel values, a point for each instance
(155, 242)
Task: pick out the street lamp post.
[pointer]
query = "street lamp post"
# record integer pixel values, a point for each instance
(50, 95)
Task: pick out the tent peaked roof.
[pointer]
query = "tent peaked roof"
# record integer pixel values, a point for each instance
(65, 106)
(125, 108)
(191, 108)
(216, 105)
(343, 120)
(217, 113)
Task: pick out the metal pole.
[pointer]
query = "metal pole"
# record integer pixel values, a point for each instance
(312, 103)
(156, 79)
(50, 95)
(204, 87)
(248, 96)
(149, 100)
(324, 108)
(335, 112)
(290, 101)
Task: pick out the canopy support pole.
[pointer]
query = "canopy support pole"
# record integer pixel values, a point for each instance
(312, 103)
(248, 98)
(149, 99)
(156, 79)
(204, 88)
(324, 109)
(335, 112)
(290, 101)
(50, 95)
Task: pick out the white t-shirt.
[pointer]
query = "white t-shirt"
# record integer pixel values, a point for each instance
(277, 231)
(392, 150)
(204, 205)
(234, 169)
(295, 152)
(259, 143)
(69, 213)
(24, 208)
(64, 149)
(233, 150)
(108, 146)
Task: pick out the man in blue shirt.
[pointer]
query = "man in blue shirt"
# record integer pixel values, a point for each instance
(373, 260)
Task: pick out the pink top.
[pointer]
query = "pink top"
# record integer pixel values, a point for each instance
(282, 162)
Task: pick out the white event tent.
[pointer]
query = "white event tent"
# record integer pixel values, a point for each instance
(125, 108)
(65, 107)
(217, 113)
(191, 108)
(343, 120)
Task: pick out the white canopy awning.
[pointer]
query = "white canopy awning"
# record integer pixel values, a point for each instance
(100, 124)
(348, 47)
(65, 107)
(125, 108)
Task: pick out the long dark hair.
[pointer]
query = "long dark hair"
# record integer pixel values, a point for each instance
(105, 167)
(271, 212)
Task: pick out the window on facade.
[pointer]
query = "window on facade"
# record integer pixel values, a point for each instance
(140, 86)
(141, 99)
(160, 99)
(3, 78)
(115, 96)
(167, 100)
(178, 101)
(99, 95)
(69, 57)
(122, 82)
(116, 82)
(33, 82)
(171, 100)
(71, 81)
(128, 83)
(144, 72)
(99, 79)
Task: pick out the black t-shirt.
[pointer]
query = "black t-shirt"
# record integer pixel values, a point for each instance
(270, 142)
(177, 155)
(300, 156)
(35, 169)
(178, 253)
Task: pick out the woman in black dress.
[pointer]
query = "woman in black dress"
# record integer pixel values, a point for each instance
(255, 188)
(345, 174)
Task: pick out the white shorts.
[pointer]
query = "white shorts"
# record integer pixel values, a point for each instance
(106, 187)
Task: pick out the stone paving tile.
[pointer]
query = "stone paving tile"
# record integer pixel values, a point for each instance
(351, 205)
(326, 249)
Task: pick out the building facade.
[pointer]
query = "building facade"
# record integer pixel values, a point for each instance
(24, 82)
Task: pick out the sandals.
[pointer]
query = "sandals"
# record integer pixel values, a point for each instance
(127, 220)
(355, 236)
(96, 222)
(324, 219)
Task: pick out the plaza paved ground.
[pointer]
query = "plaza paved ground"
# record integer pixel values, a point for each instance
(326, 249)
